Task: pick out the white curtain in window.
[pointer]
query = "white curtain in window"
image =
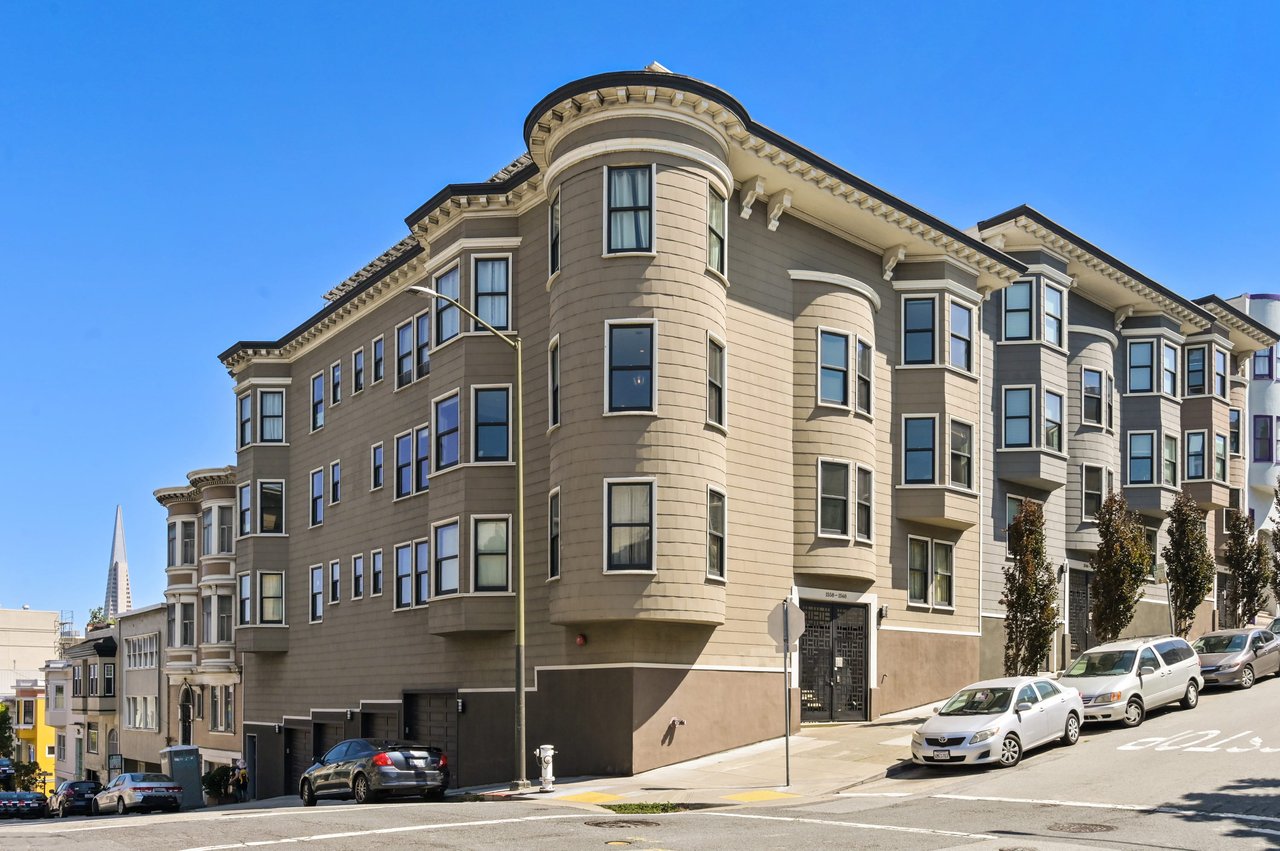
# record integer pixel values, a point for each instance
(629, 229)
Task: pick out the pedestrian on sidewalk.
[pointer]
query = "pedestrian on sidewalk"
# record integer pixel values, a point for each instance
(242, 781)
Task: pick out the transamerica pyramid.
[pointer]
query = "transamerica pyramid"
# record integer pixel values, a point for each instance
(119, 597)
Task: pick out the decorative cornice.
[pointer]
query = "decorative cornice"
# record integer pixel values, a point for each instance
(853, 284)
(212, 477)
(372, 268)
(170, 496)
(1094, 331)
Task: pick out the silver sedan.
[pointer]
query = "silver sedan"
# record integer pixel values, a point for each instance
(1237, 656)
(138, 791)
(997, 721)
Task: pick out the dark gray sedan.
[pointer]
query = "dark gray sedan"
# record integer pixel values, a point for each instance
(1237, 656)
(368, 769)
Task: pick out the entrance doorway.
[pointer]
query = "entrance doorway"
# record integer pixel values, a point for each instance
(1079, 608)
(833, 662)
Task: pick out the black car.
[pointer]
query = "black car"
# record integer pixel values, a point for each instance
(23, 805)
(7, 779)
(368, 769)
(74, 796)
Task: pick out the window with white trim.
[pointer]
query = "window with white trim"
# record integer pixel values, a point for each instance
(553, 235)
(862, 377)
(1220, 457)
(422, 459)
(716, 533)
(715, 382)
(1054, 313)
(629, 525)
(833, 498)
(1017, 311)
(630, 209)
(379, 359)
(553, 383)
(716, 230)
(919, 319)
(833, 368)
(1233, 430)
(1092, 496)
(244, 414)
(422, 345)
(1169, 471)
(491, 415)
(1141, 364)
(918, 460)
(493, 290)
(1017, 416)
(961, 472)
(244, 598)
(188, 541)
(448, 317)
(357, 576)
(961, 351)
(863, 514)
(446, 425)
(317, 497)
(918, 571)
(421, 571)
(1142, 451)
(1219, 373)
(404, 575)
(271, 598)
(271, 416)
(553, 534)
(317, 592)
(631, 363)
(1195, 464)
(404, 464)
(335, 581)
(317, 401)
(491, 553)
(404, 354)
(357, 371)
(1196, 377)
(335, 482)
(943, 567)
(375, 573)
(335, 383)
(1091, 396)
(446, 566)
(1053, 421)
(375, 466)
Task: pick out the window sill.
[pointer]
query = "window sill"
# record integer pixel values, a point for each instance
(474, 462)
(828, 536)
(834, 406)
(864, 542)
(715, 426)
(950, 610)
(551, 279)
(1018, 342)
(718, 580)
(553, 427)
(375, 490)
(1018, 449)
(610, 254)
(919, 607)
(630, 414)
(264, 535)
(622, 571)
(718, 276)
(551, 579)
(262, 443)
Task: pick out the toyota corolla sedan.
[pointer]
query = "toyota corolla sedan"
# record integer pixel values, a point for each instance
(997, 721)
(1237, 656)
(139, 791)
(368, 769)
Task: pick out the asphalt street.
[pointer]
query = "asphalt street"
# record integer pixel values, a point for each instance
(1207, 778)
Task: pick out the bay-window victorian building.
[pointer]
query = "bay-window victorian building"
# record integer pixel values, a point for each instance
(201, 674)
(748, 376)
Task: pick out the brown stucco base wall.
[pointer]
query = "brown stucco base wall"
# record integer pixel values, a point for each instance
(991, 649)
(919, 667)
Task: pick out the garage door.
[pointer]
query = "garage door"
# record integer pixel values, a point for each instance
(297, 757)
(380, 725)
(432, 720)
(327, 735)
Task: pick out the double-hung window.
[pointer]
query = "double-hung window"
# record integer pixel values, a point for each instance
(630, 222)
(716, 533)
(1220, 373)
(375, 573)
(629, 532)
(1111, 402)
(375, 466)
(553, 383)
(715, 382)
(1091, 486)
(404, 576)
(1091, 396)
(422, 458)
(1053, 421)
(943, 575)
(172, 558)
(404, 354)
(446, 425)
(421, 572)
(1017, 311)
(446, 567)
(244, 413)
(961, 475)
(271, 508)
(244, 596)
(335, 482)
(1017, 416)
(448, 317)
(491, 424)
(862, 379)
(1170, 465)
(716, 231)
(188, 542)
(553, 235)
(357, 576)
(493, 291)
(1195, 443)
(918, 319)
(918, 571)
(335, 581)
(833, 498)
(317, 592)
(226, 540)
(357, 371)
(1196, 371)
(379, 360)
(271, 416)
(631, 361)
(317, 401)
(1141, 458)
(490, 553)
(1220, 457)
(317, 497)
(335, 383)
(1141, 355)
(422, 344)
(1263, 359)
(245, 506)
(833, 368)
(862, 528)
(271, 598)
(918, 451)
(1233, 430)
(1169, 369)
(1262, 446)
(961, 352)
(206, 532)
(404, 464)
(553, 535)
(1053, 315)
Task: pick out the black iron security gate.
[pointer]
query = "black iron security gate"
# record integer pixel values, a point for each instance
(833, 662)
(1226, 613)
(1078, 607)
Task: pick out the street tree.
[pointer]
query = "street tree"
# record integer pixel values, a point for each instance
(1249, 561)
(1187, 560)
(6, 732)
(1120, 567)
(1030, 594)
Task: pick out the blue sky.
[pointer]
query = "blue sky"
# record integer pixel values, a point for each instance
(177, 177)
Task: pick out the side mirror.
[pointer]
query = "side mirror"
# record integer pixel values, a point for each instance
(1022, 707)
(1146, 670)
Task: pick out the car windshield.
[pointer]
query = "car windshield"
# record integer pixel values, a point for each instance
(1220, 643)
(978, 701)
(1106, 664)
(83, 784)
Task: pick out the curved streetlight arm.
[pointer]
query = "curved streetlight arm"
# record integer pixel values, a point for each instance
(427, 291)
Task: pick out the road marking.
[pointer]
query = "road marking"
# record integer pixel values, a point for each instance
(1136, 808)
(863, 826)
(187, 816)
(1171, 743)
(874, 794)
(322, 837)
(759, 795)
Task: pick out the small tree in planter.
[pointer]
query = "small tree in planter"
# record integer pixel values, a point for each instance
(1030, 590)
(1188, 562)
(1249, 560)
(1120, 567)
(215, 782)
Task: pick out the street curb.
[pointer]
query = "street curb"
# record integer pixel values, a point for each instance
(898, 768)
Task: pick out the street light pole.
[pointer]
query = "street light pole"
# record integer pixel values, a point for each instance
(521, 780)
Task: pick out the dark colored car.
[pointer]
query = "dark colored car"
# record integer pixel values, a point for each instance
(368, 769)
(7, 779)
(23, 805)
(74, 796)
(8, 804)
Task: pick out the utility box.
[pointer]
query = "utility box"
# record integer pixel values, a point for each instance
(182, 763)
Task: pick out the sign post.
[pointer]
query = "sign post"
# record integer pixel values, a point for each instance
(786, 624)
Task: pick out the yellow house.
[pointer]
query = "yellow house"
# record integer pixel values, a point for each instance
(35, 737)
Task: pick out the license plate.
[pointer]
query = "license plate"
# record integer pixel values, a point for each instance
(418, 763)
(942, 754)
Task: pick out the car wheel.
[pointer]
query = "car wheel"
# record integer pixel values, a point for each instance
(1192, 696)
(307, 794)
(1071, 734)
(1246, 677)
(121, 809)
(1133, 713)
(360, 790)
(1010, 751)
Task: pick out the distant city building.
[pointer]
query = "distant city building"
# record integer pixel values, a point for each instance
(27, 638)
(119, 598)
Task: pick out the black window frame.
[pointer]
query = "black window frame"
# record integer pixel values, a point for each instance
(863, 503)
(1147, 385)
(612, 566)
(317, 401)
(279, 527)
(1091, 497)
(716, 403)
(863, 381)
(335, 382)
(448, 283)
(1022, 313)
(963, 340)
(1132, 458)
(553, 534)
(1054, 435)
(422, 345)
(911, 332)
(443, 460)
(717, 239)
(840, 370)
(717, 533)
(404, 354)
(553, 235)
(317, 497)
(1007, 419)
(403, 575)
(244, 417)
(422, 459)
(450, 558)
(357, 371)
(908, 450)
(645, 209)
(377, 470)
(484, 298)
(1197, 386)
(316, 610)
(378, 355)
(1086, 397)
(403, 479)
(265, 418)
(489, 426)
(642, 371)
(965, 458)
(479, 556)
(831, 472)
(263, 597)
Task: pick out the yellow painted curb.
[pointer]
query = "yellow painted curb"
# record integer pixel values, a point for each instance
(762, 795)
(591, 798)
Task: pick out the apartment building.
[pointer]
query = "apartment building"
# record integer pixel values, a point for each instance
(143, 687)
(748, 376)
(35, 738)
(201, 701)
(93, 729)
(27, 638)
(58, 716)
(1262, 431)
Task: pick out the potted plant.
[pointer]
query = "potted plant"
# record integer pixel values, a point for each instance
(216, 782)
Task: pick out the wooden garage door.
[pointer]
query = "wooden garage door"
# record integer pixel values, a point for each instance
(432, 720)
(380, 725)
(297, 757)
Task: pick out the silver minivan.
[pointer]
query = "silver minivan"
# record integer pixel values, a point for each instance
(1124, 680)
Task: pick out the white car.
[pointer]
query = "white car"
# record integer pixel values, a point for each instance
(997, 721)
(1124, 680)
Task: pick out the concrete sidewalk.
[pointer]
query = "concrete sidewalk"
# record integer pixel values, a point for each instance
(825, 759)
